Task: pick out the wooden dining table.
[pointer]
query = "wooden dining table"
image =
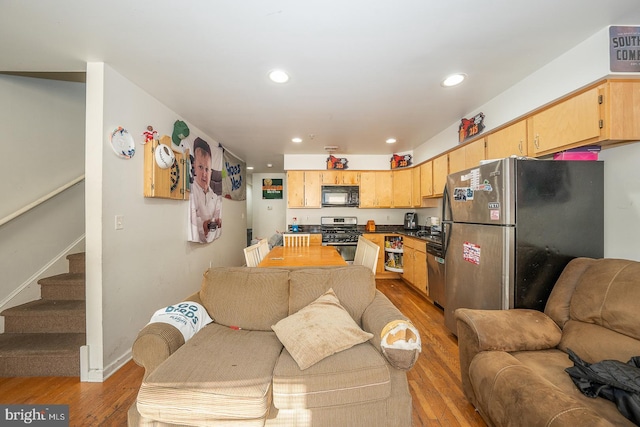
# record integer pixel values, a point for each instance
(303, 256)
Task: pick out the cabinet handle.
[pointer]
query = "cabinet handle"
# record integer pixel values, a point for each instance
(536, 141)
(520, 146)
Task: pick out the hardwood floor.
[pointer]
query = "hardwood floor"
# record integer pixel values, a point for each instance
(434, 381)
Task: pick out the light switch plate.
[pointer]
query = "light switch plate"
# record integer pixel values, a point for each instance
(119, 222)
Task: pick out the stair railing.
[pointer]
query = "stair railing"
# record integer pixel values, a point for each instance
(41, 200)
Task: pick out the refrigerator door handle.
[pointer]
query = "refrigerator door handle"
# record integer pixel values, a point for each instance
(446, 221)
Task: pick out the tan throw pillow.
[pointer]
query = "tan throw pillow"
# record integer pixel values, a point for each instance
(318, 330)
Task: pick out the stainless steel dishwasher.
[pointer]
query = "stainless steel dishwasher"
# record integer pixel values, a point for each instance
(435, 271)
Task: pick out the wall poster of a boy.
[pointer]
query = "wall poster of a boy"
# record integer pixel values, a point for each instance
(205, 202)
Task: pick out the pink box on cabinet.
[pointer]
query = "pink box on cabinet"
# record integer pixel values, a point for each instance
(589, 152)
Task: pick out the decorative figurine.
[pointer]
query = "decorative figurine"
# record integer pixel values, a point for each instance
(149, 134)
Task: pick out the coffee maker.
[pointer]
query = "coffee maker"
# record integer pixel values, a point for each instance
(410, 221)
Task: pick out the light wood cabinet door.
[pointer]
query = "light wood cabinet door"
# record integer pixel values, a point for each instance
(440, 172)
(303, 189)
(295, 189)
(420, 280)
(331, 177)
(457, 160)
(312, 189)
(367, 190)
(474, 153)
(426, 179)
(384, 189)
(402, 180)
(572, 122)
(416, 194)
(350, 177)
(509, 141)
(622, 111)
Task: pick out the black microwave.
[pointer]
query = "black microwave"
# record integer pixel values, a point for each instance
(340, 195)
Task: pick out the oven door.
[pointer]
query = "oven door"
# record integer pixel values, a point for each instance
(346, 250)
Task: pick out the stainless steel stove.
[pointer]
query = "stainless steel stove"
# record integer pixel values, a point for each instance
(341, 232)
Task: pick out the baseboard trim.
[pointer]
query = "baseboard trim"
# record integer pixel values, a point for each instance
(99, 375)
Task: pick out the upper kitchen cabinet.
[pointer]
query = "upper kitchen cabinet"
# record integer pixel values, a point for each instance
(303, 189)
(572, 122)
(416, 190)
(621, 116)
(440, 172)
(376, 189)
(426, 179)
(509, 141)
(402, 181)
(340, 177)
(604, 114)
(466, 156)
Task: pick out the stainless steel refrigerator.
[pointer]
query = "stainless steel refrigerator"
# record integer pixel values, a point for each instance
(510, 226)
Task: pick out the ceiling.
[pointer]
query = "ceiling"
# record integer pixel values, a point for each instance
(361, 71)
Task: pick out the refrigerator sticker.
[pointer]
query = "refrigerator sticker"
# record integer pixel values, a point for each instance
(462, 194)
(485, 186)
(495, 214)
(471, 253)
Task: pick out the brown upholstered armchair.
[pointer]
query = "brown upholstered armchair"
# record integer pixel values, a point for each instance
(513, 361)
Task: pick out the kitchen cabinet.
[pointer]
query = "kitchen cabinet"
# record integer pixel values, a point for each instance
(415, 264)
(416, 193)
(440, 172)
(402, 180)
(509, 141)
(574, 121)
(340, 177)
(426, 179)
(303, 189)
(394, 253)
(378, 239)
(376, 189)
(467, 156)
(621, 115)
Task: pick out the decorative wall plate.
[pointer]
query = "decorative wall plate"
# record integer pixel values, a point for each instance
(122, 143)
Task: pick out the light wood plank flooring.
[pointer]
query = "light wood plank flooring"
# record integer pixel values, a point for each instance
(434, 381)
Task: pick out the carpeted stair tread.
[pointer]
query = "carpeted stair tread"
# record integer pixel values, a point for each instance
(43, 307)
(76, 262)
(40, 355)
(72, 279)
(66, 286)
(39, 344)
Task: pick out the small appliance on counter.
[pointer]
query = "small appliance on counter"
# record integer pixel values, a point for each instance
(370, 227)
(410, 221)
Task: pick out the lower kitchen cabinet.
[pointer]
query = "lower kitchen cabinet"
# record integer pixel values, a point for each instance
(378, 239)
(415, 264)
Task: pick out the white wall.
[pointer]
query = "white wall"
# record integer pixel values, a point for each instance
(586, 63)
(622, 201)
(268, 214)
(42, 124)
(149, 264)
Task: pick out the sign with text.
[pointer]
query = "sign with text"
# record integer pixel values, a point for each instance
(271, 188)
(470, 127)
(624, 49)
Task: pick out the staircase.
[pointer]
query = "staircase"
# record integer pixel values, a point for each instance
(43, 337)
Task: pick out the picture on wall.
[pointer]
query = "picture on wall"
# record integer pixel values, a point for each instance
(205, 213)
(272, 188)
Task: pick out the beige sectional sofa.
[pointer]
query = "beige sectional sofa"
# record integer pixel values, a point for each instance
(513, 361)
(236, 371)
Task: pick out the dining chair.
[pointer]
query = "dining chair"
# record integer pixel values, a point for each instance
(296, 239)
(366, 254)
(263, 248)
(252, 255)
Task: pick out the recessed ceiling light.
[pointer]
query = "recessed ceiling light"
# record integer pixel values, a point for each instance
(391, 141)
(249, 168)
(296, 140)
(453, 80)
(279, 76)
(269, 165)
